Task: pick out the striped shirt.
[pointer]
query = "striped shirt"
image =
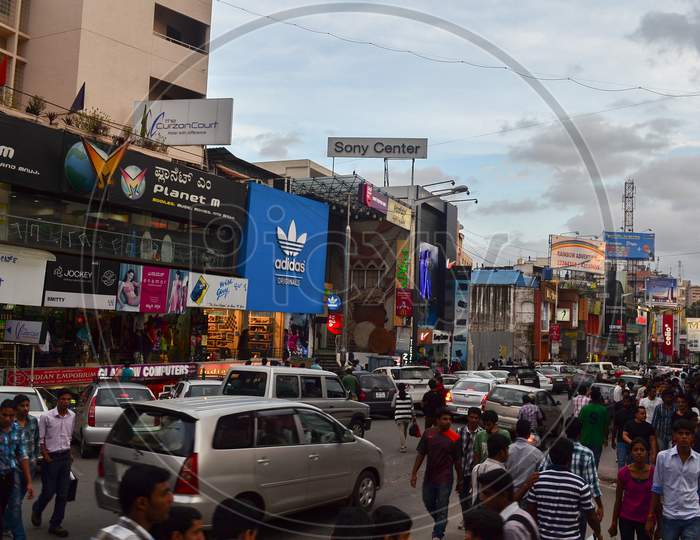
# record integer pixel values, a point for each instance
(582, 465)
(561, 498)
(403, 410)
(125, 529)
(579, 402)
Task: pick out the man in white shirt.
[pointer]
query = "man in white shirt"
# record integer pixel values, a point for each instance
(496, 494)
(650, 403)
(617, 392)
(497, 446)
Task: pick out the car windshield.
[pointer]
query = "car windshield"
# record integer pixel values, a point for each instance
(118, 396)
(413, 373)
(549, 371)
(246, 383)
(472, 385)
(499, 373)
(484, 374)
(34, 403)
(154, 431)
(199, 390)
(369, 382)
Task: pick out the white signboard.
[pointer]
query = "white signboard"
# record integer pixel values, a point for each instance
(23, 331)
(361, 147)
(693, 325)
(207, 291)
(579, 254)
(22, 275)
(181, 122)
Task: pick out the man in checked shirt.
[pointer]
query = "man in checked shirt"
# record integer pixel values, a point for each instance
(580, 401)
(467, 434)
(13, 456)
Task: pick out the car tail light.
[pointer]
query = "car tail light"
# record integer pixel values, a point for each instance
(188, 481)
(485, 399)
(362, 395)
(91, 412)
(101, 463)
(448, 396)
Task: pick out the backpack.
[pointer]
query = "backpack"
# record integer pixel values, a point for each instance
(534, 535)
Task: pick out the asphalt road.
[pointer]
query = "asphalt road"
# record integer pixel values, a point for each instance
(84, 518)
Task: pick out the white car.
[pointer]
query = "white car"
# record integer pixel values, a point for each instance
(500, 374)
(479, 374)
(545, 382)
(196, 388)
(467, 393)
(414, 377)
(37, 405)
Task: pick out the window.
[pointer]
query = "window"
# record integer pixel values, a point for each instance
(154, 431)
(234, 431)
(246, 383)
(6, 7)
(311, 387)
(116, 397)
(34, 403)
(173, 33)
(287, 386)
(380, 382)
(317, 429)
(334, 389)
(199, 390)
(276, 428)
(471, 385)
(178, 389)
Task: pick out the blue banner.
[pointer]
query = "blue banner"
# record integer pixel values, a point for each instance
(283, 253)
(629, 245)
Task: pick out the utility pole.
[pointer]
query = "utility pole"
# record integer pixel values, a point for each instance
(346, 300)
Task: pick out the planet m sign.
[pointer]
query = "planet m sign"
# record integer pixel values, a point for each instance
(383, 148)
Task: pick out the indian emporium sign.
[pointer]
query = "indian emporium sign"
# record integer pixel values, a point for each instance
(284, 251)
(75, 282)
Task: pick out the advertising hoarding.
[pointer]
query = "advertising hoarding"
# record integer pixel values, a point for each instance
(577, 254)
(22, 274)
(399, 214)
(693, 330)
(383, 148)
(51, 377)
(182, 122)
(283, 254)
(142, 289)
(75, 282)
(667, 334)
(210, 291)
(404, 302)
(661, 291)
(373, 198)
(621, 245)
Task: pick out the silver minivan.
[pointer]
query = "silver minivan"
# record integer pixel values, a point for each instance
(276, 455)
(317, 387)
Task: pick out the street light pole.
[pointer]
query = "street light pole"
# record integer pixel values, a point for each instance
(346, 302)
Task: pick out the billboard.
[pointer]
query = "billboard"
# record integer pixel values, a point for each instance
(182, 122)
(629, 245)
(373, 198)
(22, 274)
(693, 327)
(579, 254)
(210, 291)
(661, 291)
(75, 282)
(667, 334)
(383, 148)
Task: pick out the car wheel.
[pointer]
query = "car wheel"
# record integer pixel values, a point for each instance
(357, 428)
(365, 492)
(85, 449)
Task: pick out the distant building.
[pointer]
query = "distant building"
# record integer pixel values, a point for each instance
(693, 295)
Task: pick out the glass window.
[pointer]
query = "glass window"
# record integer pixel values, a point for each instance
(381, 382)
(287, 386)
(234, 431)
(334, 389)
(475, 386)
(199, 390)
(34, 403)
(154, 431)
(311, 387)
(317, 429)
(116, 397)
(413, 373)
(544, 399)
(246, 383)
(498, 395)
(276, 428)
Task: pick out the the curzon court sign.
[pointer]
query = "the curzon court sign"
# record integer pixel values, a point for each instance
(358, 147)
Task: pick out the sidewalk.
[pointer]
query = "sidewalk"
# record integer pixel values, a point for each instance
(607, 470)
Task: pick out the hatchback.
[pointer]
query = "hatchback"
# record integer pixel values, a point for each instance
(468, 393)
(377, 391)
(274, 455)
(507, 399)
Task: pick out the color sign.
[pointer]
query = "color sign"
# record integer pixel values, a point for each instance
(335, 323)
(148, 372)
(399, 214)
(693, 330)
(403, 264)
(178, 287)
(373, 198)
(404, 302)
(621, 245)
(31, 332)
(334, 303)
(210, 291)
(383, 148)
(667, 334)
(283, 253)
(554, 333)
(81, 282)
(154, 289)
(62, 377)
(578, 254)
(661, 291)
(22, 274)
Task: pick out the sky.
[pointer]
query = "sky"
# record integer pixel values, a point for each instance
(487, 127)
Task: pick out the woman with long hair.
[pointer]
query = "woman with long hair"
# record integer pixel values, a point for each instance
(403, 413)
(129, 289)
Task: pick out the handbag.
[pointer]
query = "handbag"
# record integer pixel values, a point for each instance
(72, 487)
(414, 430)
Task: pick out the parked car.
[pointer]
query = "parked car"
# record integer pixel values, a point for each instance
(37, 405)
(545, 382)
(507, 399)
(317, 387)
(377, 391)
(277, 456)
(414, 377)
(554, 378)
(196, 388)
(98, 408)
(468, 393)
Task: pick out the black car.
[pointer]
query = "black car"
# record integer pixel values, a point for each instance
(522, 375)
(378, 392)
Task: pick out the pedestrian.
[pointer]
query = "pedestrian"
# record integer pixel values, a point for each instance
(650, 402)
(441, 446)
(391, 523)
(642, 390)
(467, 435)
(662, 420)
(432, 402)
(594, 424)
(622, 415)
(580, 401)
(498, 455)
(403, 413)
(236, 519)
(28, 427)
(490, 421)
(496, 493)
(351, 383)
(352, 522)
(683, 411)
(315, 364)
(183, 523)
(633, 495)
(13, 458)
(481, 524)
(676, 480)
(145, 499)
(639, 429)
(55, 433)
(559, 498)
(531, 412)
(618, 390)
(523, 457)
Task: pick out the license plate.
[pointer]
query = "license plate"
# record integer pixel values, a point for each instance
(528, 381)
(380, 395)
(462, 411)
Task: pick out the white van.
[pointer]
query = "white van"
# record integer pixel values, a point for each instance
(414, 377)
(594, 368)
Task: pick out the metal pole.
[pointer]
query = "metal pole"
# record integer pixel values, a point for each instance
(413, 170)
(347, 286)
(412, 201)
(31, 373)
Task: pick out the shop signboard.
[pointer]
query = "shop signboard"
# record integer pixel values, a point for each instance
(334, 323)
(404, 302)
(81, 282)
(30, 332)
(554, 333)
(667, 334)
(186, 121)
(440, 337)
(382, 148)
(399, 214)
(460, 334)
(693, 329)
(48, 377)
(661, 291)
(215, 369)
(579, 254)
(620, 245)
(283, 255)
(210, 291)
(334, 303)
(22, 273)
(373, 198)
(149, 372)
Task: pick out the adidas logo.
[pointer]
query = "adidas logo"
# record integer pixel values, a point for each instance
(289, 242)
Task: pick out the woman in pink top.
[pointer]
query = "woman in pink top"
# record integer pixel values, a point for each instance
(633, 498)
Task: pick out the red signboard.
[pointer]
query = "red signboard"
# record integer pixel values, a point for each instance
(667, 334)
(51, 377)
(404, 302)
(372, 198)
(335, 323)
(554, 333)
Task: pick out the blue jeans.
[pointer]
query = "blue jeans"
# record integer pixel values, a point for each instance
(13, 512)
(623, 451)
(55, 480)
(436, 499)
(680, 529)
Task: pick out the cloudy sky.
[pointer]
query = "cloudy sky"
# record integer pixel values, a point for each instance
(487, 127)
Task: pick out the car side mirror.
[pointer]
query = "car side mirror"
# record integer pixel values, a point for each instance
(345, 436)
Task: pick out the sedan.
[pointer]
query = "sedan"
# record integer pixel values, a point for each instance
(545, 382)
(467, 393)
